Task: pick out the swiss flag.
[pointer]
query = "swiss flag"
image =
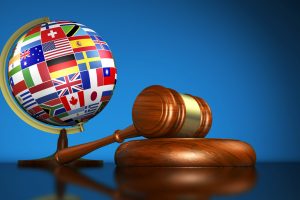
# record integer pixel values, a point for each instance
(52, 34)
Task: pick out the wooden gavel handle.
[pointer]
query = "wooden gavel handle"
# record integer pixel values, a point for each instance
(70, 154)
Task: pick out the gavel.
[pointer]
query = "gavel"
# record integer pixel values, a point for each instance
(158, 112)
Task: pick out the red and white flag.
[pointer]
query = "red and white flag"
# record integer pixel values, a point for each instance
(73, 101)
(52, 34)
(57, 48)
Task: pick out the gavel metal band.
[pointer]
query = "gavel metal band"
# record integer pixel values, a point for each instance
(193, 116)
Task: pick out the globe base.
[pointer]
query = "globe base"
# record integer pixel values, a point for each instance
(50, 162)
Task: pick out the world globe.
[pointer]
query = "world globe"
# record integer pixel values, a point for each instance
(61, 73)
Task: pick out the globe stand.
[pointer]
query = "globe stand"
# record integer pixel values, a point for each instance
(49, 162)
(62, 140)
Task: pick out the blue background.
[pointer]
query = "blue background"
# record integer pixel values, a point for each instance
(241, 57)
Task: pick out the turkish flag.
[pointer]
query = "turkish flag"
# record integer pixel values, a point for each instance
(52, 34)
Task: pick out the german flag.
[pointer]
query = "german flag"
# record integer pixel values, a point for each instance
(62, 66)
(82, 43)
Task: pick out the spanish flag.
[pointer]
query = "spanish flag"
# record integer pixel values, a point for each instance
(82, 43)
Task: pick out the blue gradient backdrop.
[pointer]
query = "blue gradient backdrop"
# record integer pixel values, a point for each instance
(242, 57)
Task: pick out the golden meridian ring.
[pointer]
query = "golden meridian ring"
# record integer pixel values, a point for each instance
(6, 93)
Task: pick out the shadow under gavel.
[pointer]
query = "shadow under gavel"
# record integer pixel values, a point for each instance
(158, 112)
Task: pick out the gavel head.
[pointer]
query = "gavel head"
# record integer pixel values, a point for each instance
(163, 112)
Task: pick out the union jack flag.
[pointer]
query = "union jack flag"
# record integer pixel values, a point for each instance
(99, 42)
(68, 84)
(25, 54)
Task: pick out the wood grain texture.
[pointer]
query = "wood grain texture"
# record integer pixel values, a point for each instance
(206, 117)
(179, 182)
(185, 152)
(157, 112)
(73, 153)
(161, 112)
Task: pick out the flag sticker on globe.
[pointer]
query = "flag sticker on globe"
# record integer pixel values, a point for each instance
(62, 73)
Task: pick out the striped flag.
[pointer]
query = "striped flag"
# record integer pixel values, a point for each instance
(34, 32)
(106, 95)
(82, 43)
(26, 100)
(36, 111)
(36, 74)
(88, 112)
(91, 109)
(62, 66)
(92, 77)
(32, 39)
(15, 75)
(105, 54)
(14, 62)
(107, 62)
(44, 92)
(18, 87)
(57, 48)
(16, 80)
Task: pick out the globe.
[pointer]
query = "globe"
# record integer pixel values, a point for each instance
(61, 73)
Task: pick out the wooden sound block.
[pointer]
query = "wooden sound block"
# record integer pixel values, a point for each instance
(179, 182)
(185, 152)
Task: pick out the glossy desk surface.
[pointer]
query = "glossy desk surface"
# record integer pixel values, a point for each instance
(265, 181)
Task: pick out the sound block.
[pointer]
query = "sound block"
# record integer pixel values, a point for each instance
(183, 182)
(185, 152)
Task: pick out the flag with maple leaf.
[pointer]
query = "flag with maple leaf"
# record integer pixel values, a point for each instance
(73, 101)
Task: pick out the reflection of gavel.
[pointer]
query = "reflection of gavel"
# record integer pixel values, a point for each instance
(157, 112)
(166, 182)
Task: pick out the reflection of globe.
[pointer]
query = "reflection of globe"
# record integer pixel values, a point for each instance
(62, 73)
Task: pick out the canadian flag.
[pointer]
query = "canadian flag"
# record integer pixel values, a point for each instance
(73, 101)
